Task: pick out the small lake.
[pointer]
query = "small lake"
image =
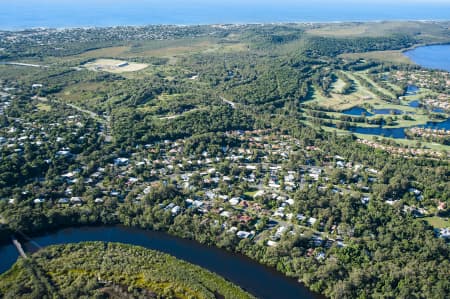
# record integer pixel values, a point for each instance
(414, 104)
(380, 131)
(399, 133)
(259, 280)
(435, 57)
(438, 110)
(437, 125)
(411, 90)
(357, 111)
(385, 111)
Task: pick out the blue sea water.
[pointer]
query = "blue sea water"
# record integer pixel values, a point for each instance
(435, 57)
(20, 14)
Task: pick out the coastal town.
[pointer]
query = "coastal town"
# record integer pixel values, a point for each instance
(247, 187)
(311, 151)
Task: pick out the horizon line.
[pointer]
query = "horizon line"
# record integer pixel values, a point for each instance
(12, 29)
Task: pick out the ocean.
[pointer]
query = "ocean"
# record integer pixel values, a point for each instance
(22, 14)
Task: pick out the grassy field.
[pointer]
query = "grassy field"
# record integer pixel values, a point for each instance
(375, 85)
(339, 102)
(424, 31)
(395, 56)
(81, 91)
(174, 48)
(105, 52)
(395, 87)
(438, 222)
(170, 49)
(413, 143)
(108, 52)
(338, 86)
(44, 107)
(89, 95)
(251, 193)
(344, 30)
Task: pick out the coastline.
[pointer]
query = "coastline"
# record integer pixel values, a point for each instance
(241, 23)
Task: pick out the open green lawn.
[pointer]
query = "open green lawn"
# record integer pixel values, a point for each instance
(413, 143)
(377, 86)
(394, 86)
(336, 101)
(342, 102)
(438, 222)
(80, 92)
(251, 193)
(395, 56)
(170, 49)
(338, 86)
(374, 29)
(44, 107)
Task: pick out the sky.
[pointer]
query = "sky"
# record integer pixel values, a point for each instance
(206, 2)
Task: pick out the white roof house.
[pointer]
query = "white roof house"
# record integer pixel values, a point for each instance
(121, 161)
(175, 210)
(234, 201)
(244, 235)
(312, 220)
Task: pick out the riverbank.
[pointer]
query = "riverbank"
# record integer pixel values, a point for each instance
(125, 270)
(260, 280)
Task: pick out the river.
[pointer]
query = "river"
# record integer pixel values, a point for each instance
(259, 280)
